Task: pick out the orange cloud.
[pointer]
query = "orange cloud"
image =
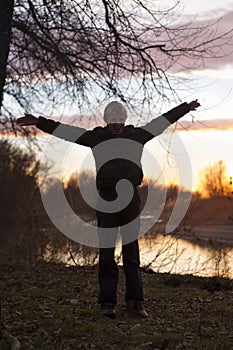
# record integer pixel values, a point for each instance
(206, 125)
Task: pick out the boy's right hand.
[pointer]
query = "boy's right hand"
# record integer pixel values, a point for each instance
(28, 119)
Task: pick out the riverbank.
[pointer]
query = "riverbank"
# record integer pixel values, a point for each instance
(205, 219)
(219, 233)
(53, 307)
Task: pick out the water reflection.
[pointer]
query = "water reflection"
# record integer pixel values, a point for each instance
(166, 253)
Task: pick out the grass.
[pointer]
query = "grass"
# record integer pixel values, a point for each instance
(51, 306)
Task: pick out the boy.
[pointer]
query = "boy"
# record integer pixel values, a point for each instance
(109, 145)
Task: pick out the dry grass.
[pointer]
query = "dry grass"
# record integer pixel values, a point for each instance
(55, 307)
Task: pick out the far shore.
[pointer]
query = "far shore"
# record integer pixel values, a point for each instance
(223, 233)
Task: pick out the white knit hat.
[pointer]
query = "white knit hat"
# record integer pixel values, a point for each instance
(115, 112)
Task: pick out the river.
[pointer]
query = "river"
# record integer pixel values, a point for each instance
(198, 251)
(204, 257)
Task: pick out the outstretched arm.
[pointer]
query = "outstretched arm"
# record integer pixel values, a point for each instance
(63, 131)
(158, 125)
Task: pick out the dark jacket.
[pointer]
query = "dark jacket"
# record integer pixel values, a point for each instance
(116, 156)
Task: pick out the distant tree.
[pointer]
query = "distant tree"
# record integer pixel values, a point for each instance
(20, 202)
(213, 181)
(172, 191)
(89, 51)
(85, 180)
(26, 231)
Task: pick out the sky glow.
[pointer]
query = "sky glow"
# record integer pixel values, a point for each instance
(211, 84)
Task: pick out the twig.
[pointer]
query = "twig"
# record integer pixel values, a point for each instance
(11, 340)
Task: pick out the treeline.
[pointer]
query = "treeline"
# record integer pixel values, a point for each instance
(214, 181)
(26, 230)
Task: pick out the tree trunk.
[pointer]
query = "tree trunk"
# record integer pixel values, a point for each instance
(6, 14)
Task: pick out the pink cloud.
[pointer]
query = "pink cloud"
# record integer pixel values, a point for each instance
(225, 45)
(193, 33)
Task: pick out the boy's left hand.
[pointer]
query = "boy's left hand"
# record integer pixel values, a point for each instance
(193, 105)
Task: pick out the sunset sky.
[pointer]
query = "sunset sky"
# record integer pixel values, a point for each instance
(214, 140)
(207, 134)
(210, 137)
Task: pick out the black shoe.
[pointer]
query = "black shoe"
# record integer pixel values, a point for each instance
(108, 310)
(135, 307)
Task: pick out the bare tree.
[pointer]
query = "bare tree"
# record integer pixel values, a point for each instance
(213, 181)
(89, 51)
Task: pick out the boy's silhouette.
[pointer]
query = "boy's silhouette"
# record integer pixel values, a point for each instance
(117, 150)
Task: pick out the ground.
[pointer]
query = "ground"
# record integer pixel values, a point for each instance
(206, 218)
(211, 211)
(53, 307)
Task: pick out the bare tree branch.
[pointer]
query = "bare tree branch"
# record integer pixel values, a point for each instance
(85, 52)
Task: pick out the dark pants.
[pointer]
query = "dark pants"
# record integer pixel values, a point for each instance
(108, 269)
